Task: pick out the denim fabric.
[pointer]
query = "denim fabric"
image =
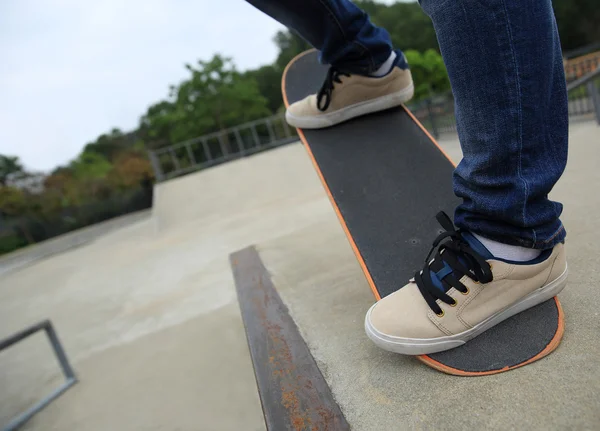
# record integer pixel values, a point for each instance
(342, 32)
(505, 66)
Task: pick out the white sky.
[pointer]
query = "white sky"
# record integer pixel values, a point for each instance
(73, 69)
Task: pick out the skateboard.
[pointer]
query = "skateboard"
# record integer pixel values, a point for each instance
(386, 178)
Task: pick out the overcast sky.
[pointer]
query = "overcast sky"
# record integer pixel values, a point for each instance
(73, 69)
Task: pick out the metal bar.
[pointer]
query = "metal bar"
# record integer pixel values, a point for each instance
(595, 96)
(271, 131)
(175, 161)
(222, 145)
(158, 173)
(434, 130)
(584, 79)
(206, 150)
(286, 127)
(292, 390)
(60, 353)
(191, 154)
(240, 141)
(70, 377)
(18, 421)
(255, 135)
(9, 341)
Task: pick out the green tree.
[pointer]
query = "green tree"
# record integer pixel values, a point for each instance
(290, 45)
(157, 124)
(90, 165)
(409, 27)
(268, 79)
(215, 97)
(429, 73)
(14, 203)
(578, 22)
(109, 145)
(9, 166)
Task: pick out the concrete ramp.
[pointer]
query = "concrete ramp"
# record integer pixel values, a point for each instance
(322, 284)
(250, 186)
(149, 316)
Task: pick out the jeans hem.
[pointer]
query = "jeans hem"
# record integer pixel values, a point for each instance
(556, 238)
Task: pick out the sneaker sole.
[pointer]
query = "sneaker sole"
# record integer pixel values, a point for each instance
(425, 346)
(352, 111)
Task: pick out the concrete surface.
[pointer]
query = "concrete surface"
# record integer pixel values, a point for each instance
(149, 317)
(319, 279)
(28, 255)
(159, 301)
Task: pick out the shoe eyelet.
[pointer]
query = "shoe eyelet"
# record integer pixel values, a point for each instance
(491, 267)
(441, 314)
(467, 292)
(454, 304)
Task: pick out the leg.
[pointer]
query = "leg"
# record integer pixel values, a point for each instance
(505, 66)
(341, 31)
(366, 74)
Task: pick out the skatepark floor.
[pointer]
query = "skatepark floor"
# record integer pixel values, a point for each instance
(149, 318)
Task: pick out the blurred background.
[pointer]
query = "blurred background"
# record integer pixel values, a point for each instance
(99, 100)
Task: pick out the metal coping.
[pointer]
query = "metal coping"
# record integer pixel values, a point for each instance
(293, 392)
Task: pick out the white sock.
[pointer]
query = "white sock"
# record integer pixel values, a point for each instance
(386, 66)
(508, 252)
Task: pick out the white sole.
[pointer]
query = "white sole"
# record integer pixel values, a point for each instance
(332, 118)
(424, 346)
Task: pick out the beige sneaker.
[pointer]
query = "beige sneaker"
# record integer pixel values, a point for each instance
(462, 292)
(344, 96)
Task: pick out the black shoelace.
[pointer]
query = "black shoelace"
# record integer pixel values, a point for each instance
(333, 76)
(457, 254)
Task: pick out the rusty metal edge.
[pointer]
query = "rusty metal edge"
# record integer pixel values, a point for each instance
(293, 392)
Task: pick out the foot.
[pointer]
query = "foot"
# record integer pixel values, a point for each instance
(460, 293)
(344, 96)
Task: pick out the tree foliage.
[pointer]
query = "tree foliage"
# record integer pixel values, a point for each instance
(578, 22)
(429, 73)
(9, 165)
(216, 96)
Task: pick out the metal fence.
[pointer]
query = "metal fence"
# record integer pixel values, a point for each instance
(220, 147)
(70, 378)
(584, 97)
(581, 66)
(436, 114)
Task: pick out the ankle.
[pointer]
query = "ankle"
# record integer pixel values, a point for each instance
(508, 252)
(385, 67)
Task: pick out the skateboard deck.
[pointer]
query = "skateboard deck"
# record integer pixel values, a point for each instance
(386, 178)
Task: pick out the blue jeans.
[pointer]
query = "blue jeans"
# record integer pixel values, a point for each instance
(505, 66)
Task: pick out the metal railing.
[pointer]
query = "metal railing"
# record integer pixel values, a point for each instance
(436, 114)
(70, 378)
(580, 66)
(220, 147)
(584, 96)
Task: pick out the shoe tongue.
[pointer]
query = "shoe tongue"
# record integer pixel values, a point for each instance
(441, 269)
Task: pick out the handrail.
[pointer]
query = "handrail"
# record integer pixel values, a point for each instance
(583, 80)
(70, 377)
